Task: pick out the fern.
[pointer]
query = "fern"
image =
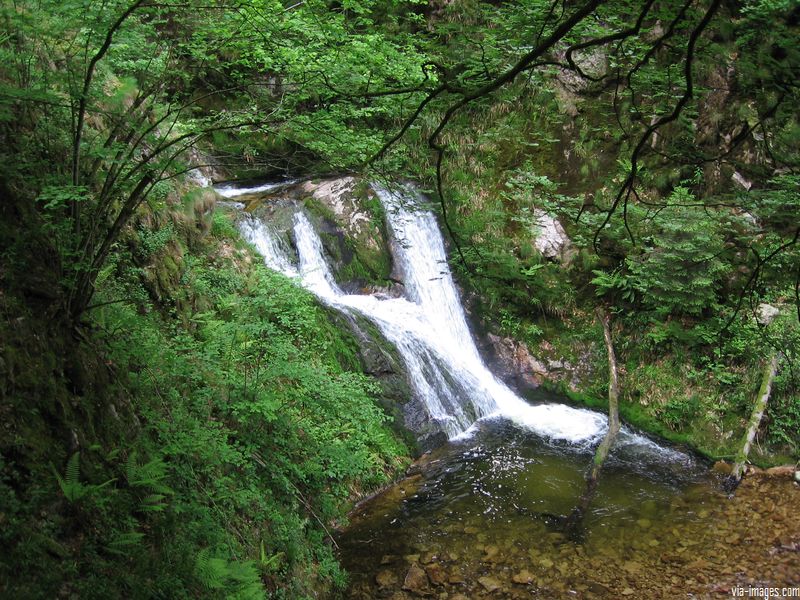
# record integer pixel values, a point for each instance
(70, 484)
(123, 542)
(239, 580)
(211, 572)
(149, 478)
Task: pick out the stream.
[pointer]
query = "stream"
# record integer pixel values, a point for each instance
(483, 518)
(483, 515)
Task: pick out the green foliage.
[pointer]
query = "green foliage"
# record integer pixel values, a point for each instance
(616, 284)
(681, 270)
(255, 394)
(236, 580)
(240, 436)
(222, 227)
(70, 483)
(679, 412)
(152, 241)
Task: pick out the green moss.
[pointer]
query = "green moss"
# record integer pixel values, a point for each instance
(365, 259)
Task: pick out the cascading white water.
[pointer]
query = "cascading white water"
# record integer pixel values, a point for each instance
(231, 190)
(427, 326)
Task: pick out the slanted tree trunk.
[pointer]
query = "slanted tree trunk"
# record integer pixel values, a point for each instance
(770, 369)
(601, 453)
(575, 519)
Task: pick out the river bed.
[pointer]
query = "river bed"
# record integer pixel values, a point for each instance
(483, 518)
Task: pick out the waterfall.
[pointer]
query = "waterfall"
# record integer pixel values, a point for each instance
(427, 325)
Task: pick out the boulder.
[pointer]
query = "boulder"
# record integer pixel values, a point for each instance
(550, 239)
(515, 363)
(766, 313)
(416, 580)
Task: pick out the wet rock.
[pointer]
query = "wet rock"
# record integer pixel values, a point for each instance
(632, 567)
(599, 589)
(428, 557)
(386, 579)
(471, 530)
(723, 467)
(782, 471)
(455, 577)
(490, 584)
(416, 580)
(515, 363)
(546, 563)
(436, 574)
(523, 577)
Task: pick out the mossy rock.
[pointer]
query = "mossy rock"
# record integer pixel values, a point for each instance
(380, 359)
(352, 227)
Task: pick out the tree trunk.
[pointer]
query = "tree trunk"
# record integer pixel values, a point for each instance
(575, 519)
(604, 448)
(770, 369)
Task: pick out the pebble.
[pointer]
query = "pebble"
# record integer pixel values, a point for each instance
(416, 580)
(490, 584)
(386, 578)
(522, 577)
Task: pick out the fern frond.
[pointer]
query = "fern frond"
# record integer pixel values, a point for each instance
(153, 502)
(211, 572)
(122, 542)
(131, 468)
(150, 474)
(73, 470)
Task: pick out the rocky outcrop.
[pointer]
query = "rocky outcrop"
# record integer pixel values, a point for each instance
(515, 364)
(350, 220)
(380, 359)
(550, 239)
(204, 173)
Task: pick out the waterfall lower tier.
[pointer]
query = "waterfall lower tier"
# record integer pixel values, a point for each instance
(427, 325)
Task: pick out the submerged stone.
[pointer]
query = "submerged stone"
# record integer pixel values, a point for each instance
(416, 580)
(386, 578)
(436, 574)
(522, 577)
(490, 584)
